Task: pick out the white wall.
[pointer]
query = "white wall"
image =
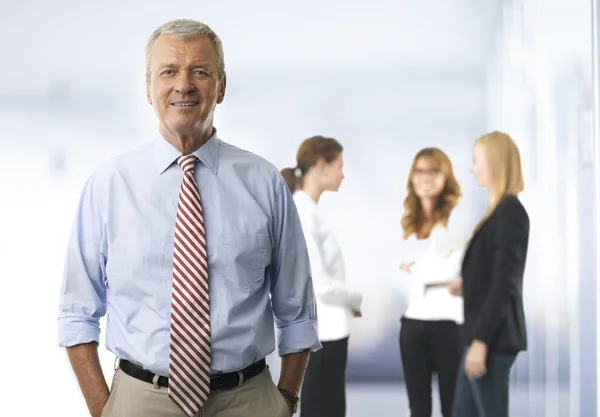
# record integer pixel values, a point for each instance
(539, 90)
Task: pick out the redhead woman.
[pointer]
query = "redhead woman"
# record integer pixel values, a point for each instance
(435, 236)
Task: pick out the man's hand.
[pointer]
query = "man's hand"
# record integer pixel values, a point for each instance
(455, 288)
(289, 398)
(475, 361)
(86, 365)
(293, 367)
(290, 406)
(96, 411)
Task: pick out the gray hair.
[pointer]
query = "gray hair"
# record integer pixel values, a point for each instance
(187, 29)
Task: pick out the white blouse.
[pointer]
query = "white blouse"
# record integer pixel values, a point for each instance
(433, 265)
(335, 300)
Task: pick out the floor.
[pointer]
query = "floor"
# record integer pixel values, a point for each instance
(389, 400)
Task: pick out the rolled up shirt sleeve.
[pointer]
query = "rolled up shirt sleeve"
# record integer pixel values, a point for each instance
(292, 293)
(83, 290)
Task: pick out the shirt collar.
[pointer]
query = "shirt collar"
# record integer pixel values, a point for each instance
(208, 154)
(304, 199)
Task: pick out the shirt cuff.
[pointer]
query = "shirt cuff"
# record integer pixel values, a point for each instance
(77, 330)
(295, 337)
(356, 299)
(485, 332)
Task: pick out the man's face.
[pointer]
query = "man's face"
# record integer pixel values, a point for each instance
(184, 85)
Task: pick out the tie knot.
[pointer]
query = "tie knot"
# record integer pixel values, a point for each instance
(186, 162)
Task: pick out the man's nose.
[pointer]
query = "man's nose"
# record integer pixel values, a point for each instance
(184, 84)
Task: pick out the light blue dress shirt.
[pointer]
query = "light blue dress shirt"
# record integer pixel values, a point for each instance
(120, 256)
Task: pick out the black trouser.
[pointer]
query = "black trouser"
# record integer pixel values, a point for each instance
(324, 387)
(488, 396)
(427, 347)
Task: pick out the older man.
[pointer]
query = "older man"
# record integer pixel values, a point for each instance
(191, 247)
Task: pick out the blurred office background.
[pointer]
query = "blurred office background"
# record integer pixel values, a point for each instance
(384, 77)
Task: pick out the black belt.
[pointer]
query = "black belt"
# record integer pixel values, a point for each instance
(219, 382)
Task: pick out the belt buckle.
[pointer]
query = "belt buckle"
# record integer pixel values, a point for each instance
(240, 378)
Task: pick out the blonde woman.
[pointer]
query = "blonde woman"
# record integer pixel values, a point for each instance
(492, 282)
(435, 236)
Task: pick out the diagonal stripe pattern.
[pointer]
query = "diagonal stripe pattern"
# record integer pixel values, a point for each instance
(189, 355)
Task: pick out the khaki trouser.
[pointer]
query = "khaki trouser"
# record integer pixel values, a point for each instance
(257, 397)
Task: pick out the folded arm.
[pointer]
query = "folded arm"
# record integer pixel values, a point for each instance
(441, 271)
(443, 265)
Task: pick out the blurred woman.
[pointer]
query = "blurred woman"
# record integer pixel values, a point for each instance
(492, 282)
(435, 238)
(319, 168)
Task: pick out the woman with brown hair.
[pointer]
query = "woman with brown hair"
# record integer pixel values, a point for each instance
(319, 169)
(492, 282)
(435, 237)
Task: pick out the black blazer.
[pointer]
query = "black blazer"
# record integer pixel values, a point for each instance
(492, 273)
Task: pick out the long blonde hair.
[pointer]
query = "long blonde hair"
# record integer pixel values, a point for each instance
(413, 219)
(504, 162)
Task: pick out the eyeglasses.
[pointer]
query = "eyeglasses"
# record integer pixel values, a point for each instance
(426, 172)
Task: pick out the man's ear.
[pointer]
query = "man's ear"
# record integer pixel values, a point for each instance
(222, 88)
(148, 95)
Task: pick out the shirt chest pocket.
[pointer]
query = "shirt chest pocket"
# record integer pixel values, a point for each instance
(244, 258)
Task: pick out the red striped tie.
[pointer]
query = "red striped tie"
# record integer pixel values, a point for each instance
(189, 356)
